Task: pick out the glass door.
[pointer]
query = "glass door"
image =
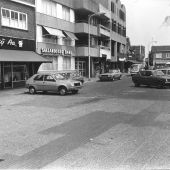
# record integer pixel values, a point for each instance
(81, 67)
(7, 76)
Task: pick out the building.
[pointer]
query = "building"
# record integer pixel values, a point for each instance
(107, 35)
(55, 38)
(63, 31)
(18, 59)
(159, 56)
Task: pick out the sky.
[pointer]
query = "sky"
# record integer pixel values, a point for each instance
(148, 22)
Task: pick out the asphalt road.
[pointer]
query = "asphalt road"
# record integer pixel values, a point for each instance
(108, 125)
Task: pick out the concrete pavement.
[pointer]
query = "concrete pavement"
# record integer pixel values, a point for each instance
(102, 133)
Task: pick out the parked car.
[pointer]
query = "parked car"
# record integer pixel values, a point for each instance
(111, 75)
(135, 68)
(52, 82)
(166, 71)
(151, 78)
(68, 74)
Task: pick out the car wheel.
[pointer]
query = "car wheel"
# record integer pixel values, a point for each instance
(32, 90)
(62, 91)
(75, 91)
(113, 79)
(137, 84)
(119, 78)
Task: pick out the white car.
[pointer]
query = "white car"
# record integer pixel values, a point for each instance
(111, 75)
(52, 82)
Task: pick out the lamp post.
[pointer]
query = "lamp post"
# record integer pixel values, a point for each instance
(89, 19)
(150, 43)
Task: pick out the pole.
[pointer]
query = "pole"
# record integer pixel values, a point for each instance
(89, 43)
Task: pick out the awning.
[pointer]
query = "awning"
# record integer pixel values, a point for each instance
(54, 32)
(21, 56)
(71, 35)
(133, 61)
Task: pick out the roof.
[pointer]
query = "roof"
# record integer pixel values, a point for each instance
(155, 49)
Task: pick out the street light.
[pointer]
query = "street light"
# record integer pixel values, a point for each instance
(150, 43)
(89, 19)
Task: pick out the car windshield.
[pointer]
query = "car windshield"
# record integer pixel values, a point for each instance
(58, 77)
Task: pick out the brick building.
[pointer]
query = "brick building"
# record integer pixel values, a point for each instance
(18, 59)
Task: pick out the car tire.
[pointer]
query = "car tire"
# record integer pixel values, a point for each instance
(62, 91)
(32, 90)
(75, 91)
(119, 78)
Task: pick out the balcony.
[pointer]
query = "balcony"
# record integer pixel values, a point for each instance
(103, 31)
(102, 9)
(83, 28)
(86, 5)
(104, 50)
(83, 51)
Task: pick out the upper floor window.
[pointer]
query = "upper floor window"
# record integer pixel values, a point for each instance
(121, 15)
(167, 55)
(13, 19)
(66, 13)
(112, 7)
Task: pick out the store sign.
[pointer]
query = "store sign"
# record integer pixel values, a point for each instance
(16, 44)
(56, 51)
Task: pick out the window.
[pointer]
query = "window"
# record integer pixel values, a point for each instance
(167, 55)
(66, 63)
(39, 78)
(14, 19)
(66, 13)
(112, 7)
(49, 78)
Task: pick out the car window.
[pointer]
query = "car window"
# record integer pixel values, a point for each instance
(48, 78)
(148, 73)
(168, 72)
(59, 77)
(143, 73)
(164, 71)
(159, 73)
(38, 78)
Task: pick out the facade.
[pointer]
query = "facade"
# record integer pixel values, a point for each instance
(18, 59)
(63, 31)
(55, 38)
(159, 56)
(107, 35)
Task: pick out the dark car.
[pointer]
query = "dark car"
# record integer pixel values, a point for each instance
(151, 78)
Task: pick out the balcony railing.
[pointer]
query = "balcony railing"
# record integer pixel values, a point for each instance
(104, 31)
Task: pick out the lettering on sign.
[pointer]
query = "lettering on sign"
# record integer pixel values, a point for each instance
(56, 51)
(2, 41)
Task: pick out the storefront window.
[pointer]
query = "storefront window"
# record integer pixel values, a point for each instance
(66, 63)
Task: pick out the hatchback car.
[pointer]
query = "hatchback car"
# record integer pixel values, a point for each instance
(52, 82)
(111, 75)
(151, 78)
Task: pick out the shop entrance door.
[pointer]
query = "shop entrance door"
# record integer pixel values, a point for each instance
(7, 76)
(81, 67)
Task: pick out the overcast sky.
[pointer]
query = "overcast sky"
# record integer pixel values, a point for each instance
(145, 21)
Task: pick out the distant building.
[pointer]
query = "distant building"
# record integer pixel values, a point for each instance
(159, 56)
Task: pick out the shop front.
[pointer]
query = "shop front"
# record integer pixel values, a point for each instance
(17, 64)
(61, 57)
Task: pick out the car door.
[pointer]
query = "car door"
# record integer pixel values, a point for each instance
(49, 83)
(150, 79)
(38, 82)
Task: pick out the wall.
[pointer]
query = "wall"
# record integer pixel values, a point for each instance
(30, 11)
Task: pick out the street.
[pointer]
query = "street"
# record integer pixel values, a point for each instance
(107, 125)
